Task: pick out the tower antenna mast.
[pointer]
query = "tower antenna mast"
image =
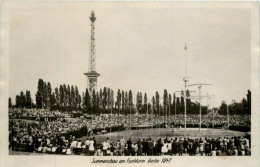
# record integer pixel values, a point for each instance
(185, 80)
(92, 74)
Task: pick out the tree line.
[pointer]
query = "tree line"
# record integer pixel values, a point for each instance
(22, 100)
(67, 98)
(242, 107)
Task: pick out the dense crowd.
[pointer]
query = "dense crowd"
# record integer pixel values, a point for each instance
(36, 114)
(227, 146)
(34, 134)
(110, 120)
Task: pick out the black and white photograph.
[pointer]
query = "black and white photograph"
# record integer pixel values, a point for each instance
(164, 83)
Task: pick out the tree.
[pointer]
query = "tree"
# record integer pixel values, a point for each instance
(9, 102)
(45, 94)
(118, 99)
(153, 103)
(52, 100)
(28, 99)
(112, 98)
(170, 103)
(139, 100)
(73, 98)
(130, 99)
(149, 108)
(104, 98)
(145, 102)
(174, 103)
(126, 100)
(165, 101)
(22, 99)
(188, 102)
(94, 102)
(108, 98)
(182, 102)
(62, 95)
(17, 101)
(57, 98)
(178, 106)
(77, 98)
(123, 100)
(69, 100)
(39, 94)
(248, 107)
(79, 102)
(223, 108)
(83, 100)
(157, 102)
(49, 91)
(101, 99)
(87, 102)
(97, 102)
(65, 97)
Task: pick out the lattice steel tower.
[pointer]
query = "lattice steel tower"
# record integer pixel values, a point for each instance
(92, 74)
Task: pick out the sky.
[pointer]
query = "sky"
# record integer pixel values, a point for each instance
(137, 47)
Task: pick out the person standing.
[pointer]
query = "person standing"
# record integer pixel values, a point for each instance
(122, 143)
(180, 146)
(201, 147)
(185, 145)
(129, 144)
(164, 148)
(207, 148)
(174, 147)
(144, 147)
(150, 147)
(91, 146)
(104, 148)
(95, 143)
(139, 145)
(159, 146)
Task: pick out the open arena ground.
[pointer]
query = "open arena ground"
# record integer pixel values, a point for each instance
(157, 133)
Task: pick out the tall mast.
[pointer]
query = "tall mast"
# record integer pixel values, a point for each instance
(92, 74)
(185, 84)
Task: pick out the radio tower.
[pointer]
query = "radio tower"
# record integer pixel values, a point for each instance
(92, 74)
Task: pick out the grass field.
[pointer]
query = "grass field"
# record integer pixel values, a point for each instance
(163, 133)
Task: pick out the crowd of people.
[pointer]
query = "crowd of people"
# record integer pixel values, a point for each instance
(46, 135)
(35, 114)
(226, 146)
(110, 120)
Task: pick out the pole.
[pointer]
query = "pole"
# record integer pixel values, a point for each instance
(185, 108)
(185, 82)
(200, 105)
